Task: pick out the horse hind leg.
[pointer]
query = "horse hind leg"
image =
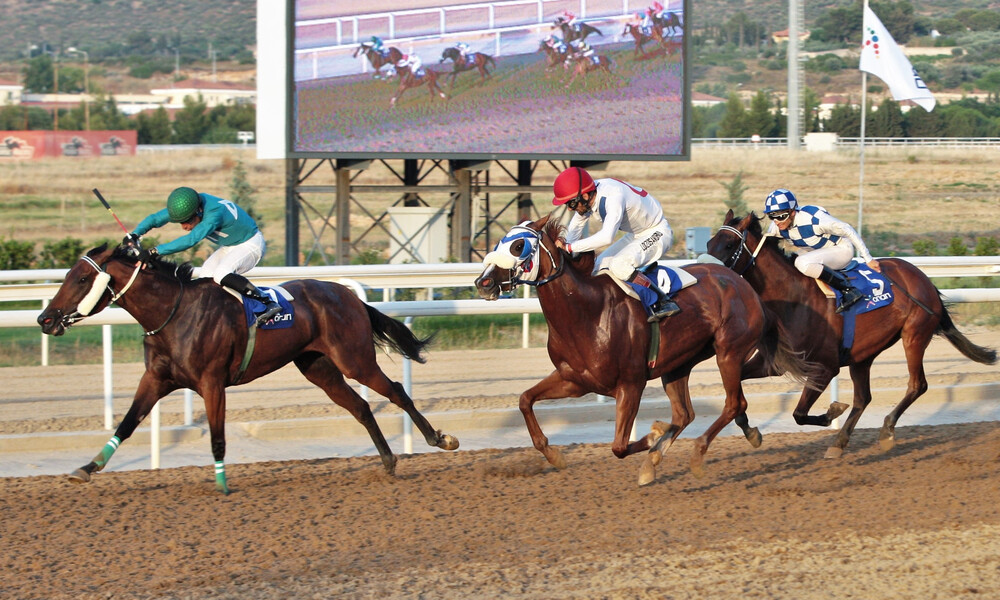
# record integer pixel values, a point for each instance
(915, 387)
(375, 379)
(322, 372)
(861, 376)
(662, 435)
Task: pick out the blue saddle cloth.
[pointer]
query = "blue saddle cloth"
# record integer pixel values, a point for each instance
(665, 277)
(282, 320)
(873, 285)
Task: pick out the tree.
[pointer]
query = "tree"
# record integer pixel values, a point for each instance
(734, 123)
(888, 120)
(39, 75)
(956, 247)
(734, 195)
(844, 120)
(920, 123)
(242, 193)
(191, 122)
(154, 128)
(760, 120)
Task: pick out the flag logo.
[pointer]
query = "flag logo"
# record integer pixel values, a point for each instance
(872, 41)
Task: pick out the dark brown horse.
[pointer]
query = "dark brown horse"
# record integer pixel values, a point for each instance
(389, 56)
(476, 60)
(916, 315)
(555, 54)
(655, 35)
(197, 336)
(584, 64)
(669, 23)
(576, 31)
(599, 341)
(408, 79)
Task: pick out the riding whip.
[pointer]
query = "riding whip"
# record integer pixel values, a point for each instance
(108, 206)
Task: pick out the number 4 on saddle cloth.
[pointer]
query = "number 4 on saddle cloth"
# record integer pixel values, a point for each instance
(669, 279)
(874, 286)
(282, 320)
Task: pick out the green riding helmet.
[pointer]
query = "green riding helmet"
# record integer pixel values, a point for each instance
(182, 204)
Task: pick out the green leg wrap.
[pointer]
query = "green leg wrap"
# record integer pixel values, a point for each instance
(220, 477)
(105, 455)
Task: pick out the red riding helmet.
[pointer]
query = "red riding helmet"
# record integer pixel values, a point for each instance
(573, 182)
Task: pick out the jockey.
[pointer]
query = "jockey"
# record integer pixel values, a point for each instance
(414, 63)
(377, 44)
(569, 18)
(240, 244)
(644, 23)
(655, 11)
(463, 50)
(830, 243)
(619, 206)
(582, 49)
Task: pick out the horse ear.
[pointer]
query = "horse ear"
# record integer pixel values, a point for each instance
(729, 216)
(746, 221)
(540, 223)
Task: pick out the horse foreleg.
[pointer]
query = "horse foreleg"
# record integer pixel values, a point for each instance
(736, 403)
(661, 435)
(915, 387)
(150, 390)
(861, 376)
(809, 396)
(553, 386)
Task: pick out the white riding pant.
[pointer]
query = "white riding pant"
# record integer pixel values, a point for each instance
(234, 259)
(836, 257)
(635, 251)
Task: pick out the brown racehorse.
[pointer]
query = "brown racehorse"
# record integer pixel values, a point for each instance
(556, 56)
(656, 35)
(599, 340)
(670, 24)
(408, 79)
(916, 315)
(583, 65)
(197, 336)
(476, 60)
(390, 56)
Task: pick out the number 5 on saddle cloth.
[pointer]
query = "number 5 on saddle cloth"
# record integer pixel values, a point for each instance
(282, 320)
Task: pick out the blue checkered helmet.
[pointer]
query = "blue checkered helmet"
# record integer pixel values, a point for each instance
(780, 200)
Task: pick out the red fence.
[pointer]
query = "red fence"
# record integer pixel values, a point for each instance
(25, 145)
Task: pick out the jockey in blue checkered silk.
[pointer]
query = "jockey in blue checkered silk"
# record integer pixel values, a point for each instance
(618, 206)
(826, 244)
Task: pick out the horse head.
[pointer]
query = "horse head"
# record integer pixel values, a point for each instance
(90, 285)
(451, 53)
(516, 259)
(364, 48)
(737, 242)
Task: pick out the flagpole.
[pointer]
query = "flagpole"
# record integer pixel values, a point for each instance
(864, 109)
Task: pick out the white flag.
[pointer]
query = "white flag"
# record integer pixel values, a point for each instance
(881, 57)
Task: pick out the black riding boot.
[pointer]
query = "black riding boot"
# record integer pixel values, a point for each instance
(849, 294)
(664, 307)
(242, 285)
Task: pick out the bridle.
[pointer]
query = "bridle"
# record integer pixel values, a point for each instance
(104, 279)
(516, 273)
(735, 256)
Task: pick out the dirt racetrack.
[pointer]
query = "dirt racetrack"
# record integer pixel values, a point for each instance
(779, 522)
(921, 521)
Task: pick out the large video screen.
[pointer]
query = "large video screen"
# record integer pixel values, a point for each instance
(510, 79)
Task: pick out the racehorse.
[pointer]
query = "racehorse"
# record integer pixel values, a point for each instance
(599, 340)
(915, 316)
(408, 79)
(583, 65)
(554, 56)
(670, 22)
(476, 60)
(390, 56)
(197, 338)
(576, 31)
(656, 35)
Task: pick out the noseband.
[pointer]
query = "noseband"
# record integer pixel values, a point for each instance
(557, 270)
(79, 314)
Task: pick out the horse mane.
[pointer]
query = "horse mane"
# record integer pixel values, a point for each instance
(162, 266)
(583, 262)
(755, 228)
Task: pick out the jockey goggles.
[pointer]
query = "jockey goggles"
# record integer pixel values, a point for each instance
(780, 216)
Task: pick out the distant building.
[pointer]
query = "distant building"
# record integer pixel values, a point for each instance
(10, 92)
(700, 99)
(213, 93)
(782, 36)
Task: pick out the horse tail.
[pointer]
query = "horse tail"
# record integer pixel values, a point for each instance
(781, 357)
(980, 354)
(597, 31)
(390, 333)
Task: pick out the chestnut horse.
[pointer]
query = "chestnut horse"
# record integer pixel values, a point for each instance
(197, 338)
(576, 31)
(916, 315)
(599, 341)
(390, 56)
(555, 55)
(583, 65)
(656, 35)
(408, 79)
(476, 60)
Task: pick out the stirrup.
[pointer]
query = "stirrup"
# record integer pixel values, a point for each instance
(663, 308)
(849, 299)
(270, 310)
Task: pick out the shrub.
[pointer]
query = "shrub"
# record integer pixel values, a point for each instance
(61, 254)
(925, 248)
(987, 246)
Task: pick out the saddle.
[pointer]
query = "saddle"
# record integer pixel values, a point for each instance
(670, 279)
(252, 308)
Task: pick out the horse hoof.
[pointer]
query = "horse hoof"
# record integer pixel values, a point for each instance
(698, 466)
(886, 443)
(448, 442)
(222, 489)
(555, 458)
(647, 472)
(79, 476)
(833, 452)
(754, 437)
(836, 409)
